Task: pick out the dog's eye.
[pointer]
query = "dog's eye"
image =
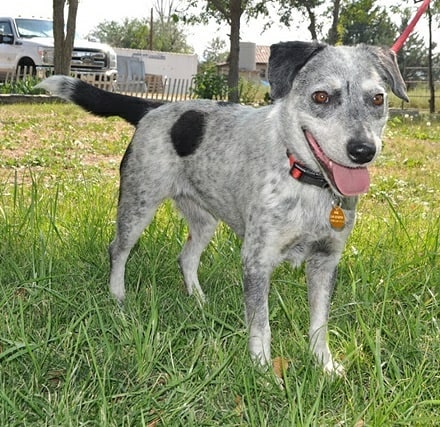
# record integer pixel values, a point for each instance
(378, 99)
(321, 97)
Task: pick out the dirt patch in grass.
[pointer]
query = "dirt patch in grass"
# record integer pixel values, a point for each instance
(59, 138)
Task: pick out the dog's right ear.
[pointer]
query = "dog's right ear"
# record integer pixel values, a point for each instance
(285, 60)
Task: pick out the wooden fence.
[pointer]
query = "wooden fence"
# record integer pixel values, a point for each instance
(157, 87)
(151, 87)
(22, 73)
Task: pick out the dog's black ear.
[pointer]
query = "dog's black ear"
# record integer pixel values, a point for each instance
(285, 60)
(386, 63)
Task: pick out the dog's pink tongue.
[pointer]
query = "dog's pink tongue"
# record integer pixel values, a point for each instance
(350, 181)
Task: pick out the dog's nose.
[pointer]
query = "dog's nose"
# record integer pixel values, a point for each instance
(360, 151)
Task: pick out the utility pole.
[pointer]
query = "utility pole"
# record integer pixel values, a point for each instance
(430, 74)
(150, 43)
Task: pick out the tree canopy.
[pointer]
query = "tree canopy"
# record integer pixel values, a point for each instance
(216, 51)
(360, 21)
(135, 34)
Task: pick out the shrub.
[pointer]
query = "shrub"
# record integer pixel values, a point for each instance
(209, 84)
(24, 86)
(252, 92)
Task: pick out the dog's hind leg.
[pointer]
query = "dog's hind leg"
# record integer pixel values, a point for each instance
(132, 219)
(201, 228)
(321, 276)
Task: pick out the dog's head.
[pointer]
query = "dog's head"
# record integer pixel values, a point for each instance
(334, 99)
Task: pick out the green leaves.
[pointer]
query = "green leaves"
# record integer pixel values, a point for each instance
(209, 84)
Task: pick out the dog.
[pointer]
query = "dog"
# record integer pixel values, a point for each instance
(285, 177)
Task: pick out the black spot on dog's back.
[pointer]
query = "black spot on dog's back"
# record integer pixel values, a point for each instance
(187, 132)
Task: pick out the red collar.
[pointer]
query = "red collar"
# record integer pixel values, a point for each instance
(302, 173)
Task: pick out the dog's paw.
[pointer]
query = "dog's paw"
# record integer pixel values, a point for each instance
(259, 350)
(193, 288)
(197, 293)
(334, 368)
(118, 296)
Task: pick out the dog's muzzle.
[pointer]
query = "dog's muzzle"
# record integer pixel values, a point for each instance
(347, 181)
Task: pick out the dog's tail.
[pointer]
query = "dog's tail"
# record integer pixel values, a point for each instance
(98, 101)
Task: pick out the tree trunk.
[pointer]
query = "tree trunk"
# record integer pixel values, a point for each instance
(333, 32)
(312, 25)
(63, 40)
(233, 75)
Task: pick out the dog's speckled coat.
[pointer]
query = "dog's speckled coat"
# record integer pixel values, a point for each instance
(227, 162)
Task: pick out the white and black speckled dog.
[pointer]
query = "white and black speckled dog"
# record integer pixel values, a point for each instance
(221, 161)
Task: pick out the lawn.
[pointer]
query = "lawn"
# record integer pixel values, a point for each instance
(69, 356)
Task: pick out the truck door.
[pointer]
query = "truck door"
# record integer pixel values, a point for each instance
(8, 49)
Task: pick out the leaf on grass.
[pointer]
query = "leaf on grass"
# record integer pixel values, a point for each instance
(239, 406)
(55, 377)
(156, 418)
(280, 365)
(359, 423)
(21, 292)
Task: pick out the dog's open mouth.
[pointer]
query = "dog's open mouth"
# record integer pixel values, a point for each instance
(348, 181)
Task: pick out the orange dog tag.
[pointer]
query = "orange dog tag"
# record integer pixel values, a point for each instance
(337, 218)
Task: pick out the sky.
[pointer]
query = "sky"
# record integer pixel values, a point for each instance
(92, 12)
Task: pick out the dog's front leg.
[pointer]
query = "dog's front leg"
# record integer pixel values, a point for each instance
(321, 273)
(256, 291)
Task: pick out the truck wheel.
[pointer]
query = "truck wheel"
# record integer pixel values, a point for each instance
(26, 67)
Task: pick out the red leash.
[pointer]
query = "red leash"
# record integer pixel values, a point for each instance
(408, 30)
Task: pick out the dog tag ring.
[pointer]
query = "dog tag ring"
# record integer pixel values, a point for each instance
(337, 217)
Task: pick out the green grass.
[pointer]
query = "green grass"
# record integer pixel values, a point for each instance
(419, 96)
(69, 356)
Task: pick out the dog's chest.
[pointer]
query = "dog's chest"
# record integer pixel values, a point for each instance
(293, 221)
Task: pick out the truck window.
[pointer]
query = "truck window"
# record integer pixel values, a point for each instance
(5, 27)
(28, 28)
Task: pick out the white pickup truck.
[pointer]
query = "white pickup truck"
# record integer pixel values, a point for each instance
(28, 42)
